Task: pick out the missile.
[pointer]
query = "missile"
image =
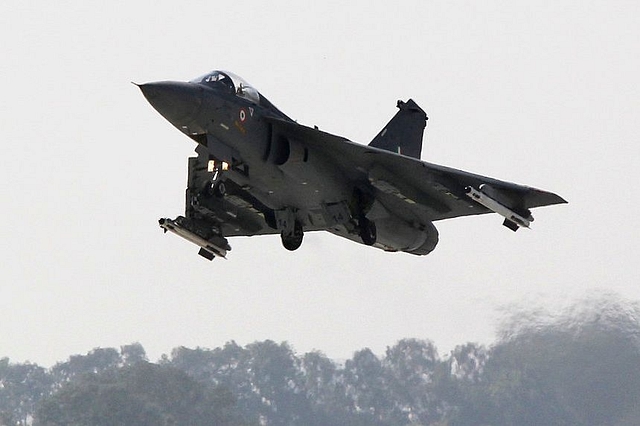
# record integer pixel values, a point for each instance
(209, 248)
(512, 219)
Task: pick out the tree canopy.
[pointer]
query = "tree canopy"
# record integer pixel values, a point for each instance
(581, 367)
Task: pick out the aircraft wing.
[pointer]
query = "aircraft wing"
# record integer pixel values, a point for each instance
(414, 189)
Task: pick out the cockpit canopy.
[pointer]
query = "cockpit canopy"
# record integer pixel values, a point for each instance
(231, 83)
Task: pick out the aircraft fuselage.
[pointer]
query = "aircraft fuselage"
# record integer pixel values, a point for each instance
(259, 172)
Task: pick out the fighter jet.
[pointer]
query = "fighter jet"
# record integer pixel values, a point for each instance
(259, 172)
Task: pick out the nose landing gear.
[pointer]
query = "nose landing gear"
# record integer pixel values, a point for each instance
(218, 188)
(217, 185)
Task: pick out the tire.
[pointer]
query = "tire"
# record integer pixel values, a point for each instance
(294, 241)
(368, 232)
(220, 189)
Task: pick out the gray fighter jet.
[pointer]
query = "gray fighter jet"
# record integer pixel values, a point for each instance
(259, 172)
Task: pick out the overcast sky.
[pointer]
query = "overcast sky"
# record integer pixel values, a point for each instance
(540, 93)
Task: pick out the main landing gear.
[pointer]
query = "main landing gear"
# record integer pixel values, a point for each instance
(362, 203)
(292, 240)
(368, 231)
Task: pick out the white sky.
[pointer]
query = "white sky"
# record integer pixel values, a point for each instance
(540, 93)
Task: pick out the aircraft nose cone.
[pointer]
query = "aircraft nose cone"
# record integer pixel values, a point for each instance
(176, 101)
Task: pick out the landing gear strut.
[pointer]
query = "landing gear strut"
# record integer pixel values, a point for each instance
(293, 240)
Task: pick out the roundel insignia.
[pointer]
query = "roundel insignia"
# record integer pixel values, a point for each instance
(243, 115)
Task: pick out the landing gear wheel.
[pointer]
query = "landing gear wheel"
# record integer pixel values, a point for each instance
(294, 240)
(219, 189)
(368, 231)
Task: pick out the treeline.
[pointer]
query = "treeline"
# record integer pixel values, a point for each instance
(582, 368)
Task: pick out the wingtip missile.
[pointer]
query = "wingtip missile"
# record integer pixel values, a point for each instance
(512, 221)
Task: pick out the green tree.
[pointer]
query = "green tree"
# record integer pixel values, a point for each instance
(325, 392)
(226, 367)
(367, 388)
(132, 353)
(95, 361)
(410, 369)
(465, 396)
(468, 361)
(277, 381)
(22, 386)
(578, 368)
(319, 375)
(140, 394)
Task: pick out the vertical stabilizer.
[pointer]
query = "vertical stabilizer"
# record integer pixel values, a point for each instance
(403, 134)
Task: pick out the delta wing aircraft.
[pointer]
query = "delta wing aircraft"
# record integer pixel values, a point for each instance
(259, 172)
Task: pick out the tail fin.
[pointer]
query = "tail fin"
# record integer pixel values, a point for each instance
(403, 134)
